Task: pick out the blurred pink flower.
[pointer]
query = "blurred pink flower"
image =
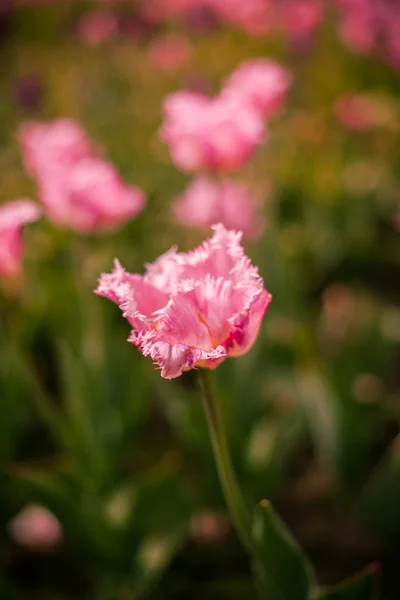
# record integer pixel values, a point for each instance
(396, 221)
(207, 201)
(357, 27)
(77, 189)
(97, 26)
(13, 216)
(169, 52)
(45, 146)
(361, 112)
(90, 195)
(256, 17)
(36, 527)
(210, 133)
(209, 527)
(300, 18)
(192, 309)
(372, 26)
(261, 83)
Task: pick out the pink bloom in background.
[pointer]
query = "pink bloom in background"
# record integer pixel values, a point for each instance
(256, 17)
(169, 52)
(90, 195)
(13, 216)
(361, 112)
(300, 18)
(37, 528)
(358, 27)
(372, 26)
(77, 189)
(192, 309)
(261, 83)
(207, 201)
(45, 146)
(97, 26)
(210, 133)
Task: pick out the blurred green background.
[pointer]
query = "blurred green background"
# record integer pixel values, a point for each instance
(89, 430)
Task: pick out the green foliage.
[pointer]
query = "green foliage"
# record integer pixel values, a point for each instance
(285, 573)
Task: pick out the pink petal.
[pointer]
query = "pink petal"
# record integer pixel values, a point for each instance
(261, 83)
(95, 188)
(43, 145)
(13, 216)
(173, 359)
(246, 324)
(137, 298)
(221, 256)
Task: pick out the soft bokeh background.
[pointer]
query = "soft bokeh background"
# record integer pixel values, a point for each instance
(90, 431)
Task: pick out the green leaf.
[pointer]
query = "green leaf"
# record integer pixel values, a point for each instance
(360, 587)
(285, 573)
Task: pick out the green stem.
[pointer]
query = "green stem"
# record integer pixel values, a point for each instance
(233, 496)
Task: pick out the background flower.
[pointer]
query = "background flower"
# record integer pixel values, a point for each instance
(218, 133)
(13, 216)
(224, 201)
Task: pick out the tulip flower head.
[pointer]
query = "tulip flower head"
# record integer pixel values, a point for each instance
(192, 309)
(46, 146)
(78, 190)
(260, 83)
(13, 216)
(225, 201)
(219, 134)
(89, 195)
(37, 528)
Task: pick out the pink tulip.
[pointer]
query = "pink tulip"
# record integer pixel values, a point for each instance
(300, 18)
(192, 309)
(169, 52)
(256, 17)
(36, 527)
(261, 83)
(77, 189)
(89, 196)
(206, 202)
(202, 133)
(97, 26)
(13, 216)
(372, 26)
(45, 146)
(357, 112)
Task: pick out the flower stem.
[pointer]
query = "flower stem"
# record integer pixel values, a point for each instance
(233, 496)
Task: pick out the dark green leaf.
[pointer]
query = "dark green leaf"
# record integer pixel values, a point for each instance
(285, 573)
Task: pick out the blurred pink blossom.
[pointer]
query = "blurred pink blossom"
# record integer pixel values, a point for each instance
(169, 52)
(77, 189)
(89, 195)
(209, 527)
(13, 216)
(46, 146)
(362, 112)
(36, 527)
(256, 17)
(192, 309)
(207, 201)
(260, 83)
(210, 133)
(372, 26)
(97, 26)
(159, 10)
(300, 18)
